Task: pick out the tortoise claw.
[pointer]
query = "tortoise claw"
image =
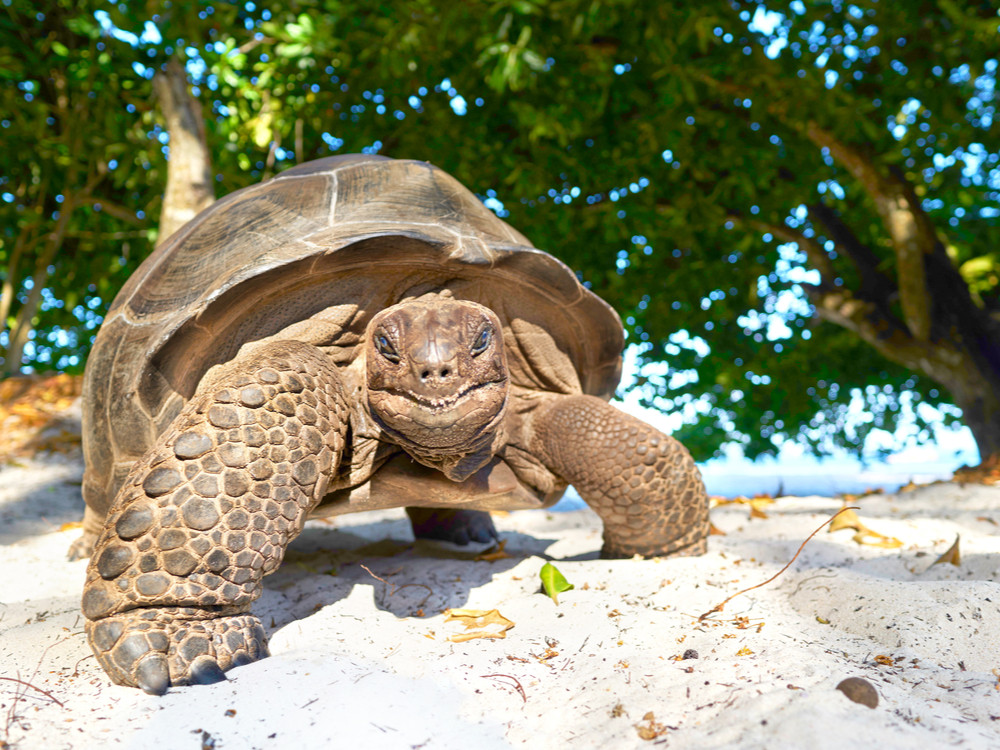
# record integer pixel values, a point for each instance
(153, 675)
(242, 659)
(154, 651)
(82, 548)
(205, 671)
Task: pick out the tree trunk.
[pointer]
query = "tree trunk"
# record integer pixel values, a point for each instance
(980, 405)
(18, 333)
(8, 290)
(941, 332)
(190, 187)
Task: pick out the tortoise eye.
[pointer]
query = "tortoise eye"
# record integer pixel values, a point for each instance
(482, 342)
(385, 348)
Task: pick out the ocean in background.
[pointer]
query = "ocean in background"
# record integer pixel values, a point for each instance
(826, 477)
(810, 476)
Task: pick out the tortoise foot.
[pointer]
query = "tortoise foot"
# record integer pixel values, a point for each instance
(154, 649)
(92, 526)
(83, 547)
(455, 526)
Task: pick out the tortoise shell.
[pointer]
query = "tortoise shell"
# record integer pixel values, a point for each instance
(352, 234)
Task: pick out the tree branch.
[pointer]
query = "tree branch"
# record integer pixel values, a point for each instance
(874, 286)
(815, 252)
(113, 209)
(911, 231)
(913, 236)
(870, 319)
(18, 335)
(884, 333)
(247, 46)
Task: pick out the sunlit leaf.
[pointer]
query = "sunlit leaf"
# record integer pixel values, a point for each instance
(847, 519)
(952, 554)
(650, 728)
(871, 538)
(553, 582)
(478, 623)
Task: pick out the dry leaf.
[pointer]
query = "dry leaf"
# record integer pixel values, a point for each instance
(478, 618)
(494, 553)
(756, 503)
(651, 729)
(31, 412)
(715, 531)
(871, 538)
(848, 519)
(953, 555)
(988, 472)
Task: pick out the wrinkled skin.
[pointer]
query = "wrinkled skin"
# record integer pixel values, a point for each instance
(210, 510)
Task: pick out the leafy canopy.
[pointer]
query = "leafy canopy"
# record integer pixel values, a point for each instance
(662, 150)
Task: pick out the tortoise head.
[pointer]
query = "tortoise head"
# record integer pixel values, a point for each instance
(436, 374)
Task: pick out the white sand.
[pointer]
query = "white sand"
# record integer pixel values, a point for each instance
(358, 663)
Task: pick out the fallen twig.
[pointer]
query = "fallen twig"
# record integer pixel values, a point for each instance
(20, 691)
(393, 588)
(517, 685)
(25, 683)
(718, 607)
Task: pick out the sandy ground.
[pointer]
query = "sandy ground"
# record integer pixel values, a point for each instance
(363, 662)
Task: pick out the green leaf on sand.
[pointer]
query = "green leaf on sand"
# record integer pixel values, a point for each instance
(553, 582)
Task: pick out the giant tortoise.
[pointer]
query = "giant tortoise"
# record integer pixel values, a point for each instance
(356, 333)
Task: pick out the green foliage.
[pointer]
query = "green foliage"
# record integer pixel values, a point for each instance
(649, 145)
(553, 582)
(71, 174)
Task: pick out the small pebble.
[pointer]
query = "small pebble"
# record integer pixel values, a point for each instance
(860, 691)
(690, 654)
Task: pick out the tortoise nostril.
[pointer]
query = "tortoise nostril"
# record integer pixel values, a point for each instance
(434, 374)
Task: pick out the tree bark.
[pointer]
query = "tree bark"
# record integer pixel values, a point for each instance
(7, 291)
(961, 353)
(19, 332)
(190, 187)
(942, 332)
(908, 226)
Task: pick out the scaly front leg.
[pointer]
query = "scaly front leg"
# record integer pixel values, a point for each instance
(207, 513)
(643, 484)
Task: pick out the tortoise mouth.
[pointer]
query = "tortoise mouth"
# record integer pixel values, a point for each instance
(445, 423)
(436, 403)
